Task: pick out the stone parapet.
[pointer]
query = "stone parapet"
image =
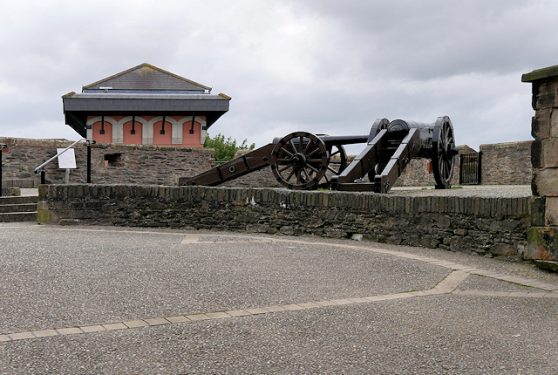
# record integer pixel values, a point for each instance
(483, 225)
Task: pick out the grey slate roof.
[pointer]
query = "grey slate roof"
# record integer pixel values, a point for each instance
(144, 89)
(147, 77)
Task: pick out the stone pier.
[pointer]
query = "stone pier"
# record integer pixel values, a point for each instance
(543, 234)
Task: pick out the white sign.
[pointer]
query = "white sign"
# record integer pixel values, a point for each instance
(67, 160)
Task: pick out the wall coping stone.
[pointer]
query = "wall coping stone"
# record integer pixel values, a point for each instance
(60, 142)
(486, 207)
(504, 144)
(539, 74)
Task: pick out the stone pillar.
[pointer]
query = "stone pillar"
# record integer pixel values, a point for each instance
(543, 235)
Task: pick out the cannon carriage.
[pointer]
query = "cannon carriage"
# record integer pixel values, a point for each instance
(302, 160)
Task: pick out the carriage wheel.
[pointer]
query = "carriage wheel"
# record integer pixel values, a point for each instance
(443, 148)
(299, 161)
(337, 161)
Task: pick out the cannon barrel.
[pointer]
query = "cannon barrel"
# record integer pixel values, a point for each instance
(343, 139)
(334, 139)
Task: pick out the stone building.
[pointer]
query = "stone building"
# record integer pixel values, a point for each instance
(145, 105)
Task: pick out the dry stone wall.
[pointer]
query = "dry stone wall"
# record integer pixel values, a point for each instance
(488, 226)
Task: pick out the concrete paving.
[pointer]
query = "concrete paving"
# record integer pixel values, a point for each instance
(130, 300)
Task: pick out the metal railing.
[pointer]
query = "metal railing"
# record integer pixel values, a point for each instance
(470, 169)
(42, 166)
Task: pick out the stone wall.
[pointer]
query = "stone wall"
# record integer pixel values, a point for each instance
(262, 178)
(141, 164)
(493, 226)
(506, 163)
(502, 164)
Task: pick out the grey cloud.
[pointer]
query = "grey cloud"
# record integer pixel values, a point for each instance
(324, 66)
(433, 38)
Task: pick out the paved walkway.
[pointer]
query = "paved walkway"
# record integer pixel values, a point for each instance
(108, 300)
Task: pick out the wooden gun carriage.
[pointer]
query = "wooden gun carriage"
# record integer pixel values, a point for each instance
(302, 160)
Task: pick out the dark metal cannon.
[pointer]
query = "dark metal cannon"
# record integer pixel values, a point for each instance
(306, 161)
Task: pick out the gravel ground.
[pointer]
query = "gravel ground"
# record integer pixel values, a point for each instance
(62, 278)
(59, 276)
(487, 191)
(434, 335)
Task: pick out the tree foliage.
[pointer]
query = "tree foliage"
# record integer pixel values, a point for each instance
(226, 148)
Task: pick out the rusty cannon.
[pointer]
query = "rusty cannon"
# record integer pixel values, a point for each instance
(302, 160)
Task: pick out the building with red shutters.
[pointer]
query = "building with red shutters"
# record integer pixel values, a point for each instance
(145, 105)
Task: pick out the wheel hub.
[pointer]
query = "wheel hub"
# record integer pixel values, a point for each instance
(298, 161)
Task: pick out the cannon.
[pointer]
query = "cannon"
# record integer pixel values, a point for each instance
(302, 160)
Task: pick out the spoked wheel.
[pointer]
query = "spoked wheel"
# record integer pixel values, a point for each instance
(337, 161)
(443, 148)
(299, 161)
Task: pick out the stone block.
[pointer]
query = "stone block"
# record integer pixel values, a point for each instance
(548, 265)
(537, 160)
(544, 100)
(43, 213)
(540, 124)
(503, 249)
(550, 153)
(554, 123)
(546, 182)
(538, 205)
(542, 243)
(545, 93)
(551, 211)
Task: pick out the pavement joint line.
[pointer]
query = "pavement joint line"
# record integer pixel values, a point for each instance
(451, 282)
(135, 323)
(195, 317)
(217, 315)
(69, 331)
(446, 286)
(237, 313)
(176, 319)
(45, 333)
(114, 326)
(20, 336)
(156, 321)
(488, 293)
(89, 329)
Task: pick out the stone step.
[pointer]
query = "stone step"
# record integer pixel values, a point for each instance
(17, 217)
(20, 207)
(18, 200)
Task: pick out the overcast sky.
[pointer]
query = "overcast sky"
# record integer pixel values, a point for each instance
(324, 66)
